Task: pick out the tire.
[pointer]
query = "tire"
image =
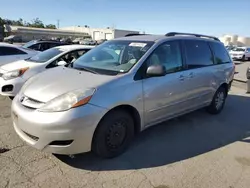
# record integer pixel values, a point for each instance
(113, 134)
(243, 58)
(218, 101)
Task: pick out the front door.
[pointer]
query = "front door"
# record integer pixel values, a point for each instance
(165, 96)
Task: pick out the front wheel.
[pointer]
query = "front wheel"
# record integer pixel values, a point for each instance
(218, 101)
(244, 58)
(113, 134)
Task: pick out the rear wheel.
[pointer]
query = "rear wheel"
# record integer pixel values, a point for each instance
(113, 134)
(218, 101)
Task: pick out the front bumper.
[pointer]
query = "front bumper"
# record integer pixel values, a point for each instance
(236, 56)
(41, 130)
(15, 85)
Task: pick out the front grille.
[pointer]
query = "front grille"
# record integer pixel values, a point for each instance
(32, 136)
(30, 103)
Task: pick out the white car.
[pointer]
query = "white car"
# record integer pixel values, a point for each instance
(240, 53)
(10, 53)
(87, 42)
(14, 75)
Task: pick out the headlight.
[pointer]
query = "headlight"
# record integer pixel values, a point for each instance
(14, 74)
(68, 100)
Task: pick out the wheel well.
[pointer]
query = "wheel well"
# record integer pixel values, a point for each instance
(225, 85)
(133, 112)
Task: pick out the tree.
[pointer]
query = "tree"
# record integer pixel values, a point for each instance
(1, 28)
(36, 23)
(20, 22)
(50, 26)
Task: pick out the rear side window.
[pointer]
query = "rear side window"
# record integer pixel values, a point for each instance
(198, 54)
(35, 47)
(45, 46)
(52, 45)
(10, 51)
(220, 53)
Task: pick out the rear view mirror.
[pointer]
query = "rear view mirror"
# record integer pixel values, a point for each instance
(156, 70)
(61, 63)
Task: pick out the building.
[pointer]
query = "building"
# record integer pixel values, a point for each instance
(235, 40)
(100, 33)
(30, 33)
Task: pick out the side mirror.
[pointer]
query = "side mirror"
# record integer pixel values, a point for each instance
(156, 70)
(61, 63)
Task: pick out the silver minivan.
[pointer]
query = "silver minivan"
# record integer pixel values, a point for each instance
(120, 88)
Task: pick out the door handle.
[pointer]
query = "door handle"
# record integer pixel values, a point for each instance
(181, 77)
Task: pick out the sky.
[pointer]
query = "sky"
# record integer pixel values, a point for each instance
(213, 17)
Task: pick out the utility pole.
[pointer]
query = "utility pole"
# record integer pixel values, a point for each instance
(58, 24)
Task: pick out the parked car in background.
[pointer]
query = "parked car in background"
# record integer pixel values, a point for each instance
(120, 88)
(77, 40)
(229, 48)
(88, 42)
(66, 40)
(101, 41)
(12, 38)
(10, 53)
(42, 45)
(240, 53)
(14, 75)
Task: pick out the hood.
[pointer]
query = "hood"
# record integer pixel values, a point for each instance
(57, 81)
(18, 65)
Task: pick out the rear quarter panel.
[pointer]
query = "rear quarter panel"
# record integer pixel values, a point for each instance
(223, 73)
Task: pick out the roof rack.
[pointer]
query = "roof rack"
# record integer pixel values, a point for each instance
(191, 34)
(133, 34)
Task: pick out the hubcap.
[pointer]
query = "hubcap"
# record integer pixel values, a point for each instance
(116, 134)
(219, 100)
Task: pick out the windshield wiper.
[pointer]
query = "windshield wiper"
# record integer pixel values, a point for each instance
(28, 59)
(86, 69)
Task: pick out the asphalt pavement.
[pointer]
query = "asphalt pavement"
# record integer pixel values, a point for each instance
(197, 150)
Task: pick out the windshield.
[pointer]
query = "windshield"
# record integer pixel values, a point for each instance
(45, 55)
(115, 56)
(239, 49)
